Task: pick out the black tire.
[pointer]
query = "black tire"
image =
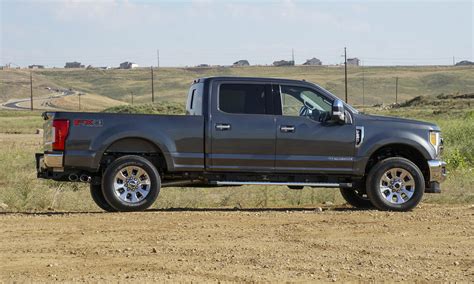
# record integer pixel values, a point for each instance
(296, 187)
(99, 199)
(116, 199)
(374, 180)
(356, 197)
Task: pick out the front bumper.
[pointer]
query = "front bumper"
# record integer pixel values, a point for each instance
(437, 171)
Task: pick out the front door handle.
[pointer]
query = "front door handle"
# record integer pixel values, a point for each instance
(287, 128)
(222, 126)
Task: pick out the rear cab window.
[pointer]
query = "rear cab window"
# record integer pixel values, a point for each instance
(242, 98)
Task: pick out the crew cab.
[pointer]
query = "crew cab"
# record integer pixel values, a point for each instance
(240, 131)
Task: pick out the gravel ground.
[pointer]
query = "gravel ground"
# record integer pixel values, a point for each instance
(432, 243)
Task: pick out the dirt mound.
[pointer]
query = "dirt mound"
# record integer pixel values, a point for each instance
(441, 100)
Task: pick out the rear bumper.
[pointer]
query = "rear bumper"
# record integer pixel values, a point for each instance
(48, 163)
(437, 171)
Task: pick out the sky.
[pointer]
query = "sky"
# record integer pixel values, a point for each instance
(187, 33)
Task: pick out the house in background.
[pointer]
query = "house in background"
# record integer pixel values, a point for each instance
(241, 63)
(73, 65)
(353, 61)
(35, 66)
(284, 63)
(128, 65)
(313, 61)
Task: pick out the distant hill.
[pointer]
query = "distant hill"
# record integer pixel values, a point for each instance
(171, 84)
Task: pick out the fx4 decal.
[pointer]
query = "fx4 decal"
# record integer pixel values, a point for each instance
(88, 122)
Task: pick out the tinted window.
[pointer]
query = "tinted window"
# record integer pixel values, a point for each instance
(242, 98)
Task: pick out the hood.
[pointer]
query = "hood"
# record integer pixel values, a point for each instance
(391, 119)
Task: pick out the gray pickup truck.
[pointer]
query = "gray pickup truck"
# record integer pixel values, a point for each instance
(241, 131)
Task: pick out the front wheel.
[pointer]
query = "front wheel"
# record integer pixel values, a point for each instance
(395, 184)
(131, 183)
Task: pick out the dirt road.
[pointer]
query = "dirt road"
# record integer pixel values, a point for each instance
(431, 243)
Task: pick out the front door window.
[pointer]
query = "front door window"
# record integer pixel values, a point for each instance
(300, 101)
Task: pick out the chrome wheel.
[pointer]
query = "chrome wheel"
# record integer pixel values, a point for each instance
(132, 184)
(397, 185)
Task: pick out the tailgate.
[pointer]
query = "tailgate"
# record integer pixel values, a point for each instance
(48, 131)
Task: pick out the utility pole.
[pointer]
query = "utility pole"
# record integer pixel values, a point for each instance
(396, 90)
(157, 58)
(363, 85)
(31, 90)
(345, 72)
(152, 87)
(293, 56)
(454, 62)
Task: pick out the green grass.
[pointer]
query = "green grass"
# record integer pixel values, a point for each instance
(441, 104)
(20, 121)
(161, 108)
(21, 190)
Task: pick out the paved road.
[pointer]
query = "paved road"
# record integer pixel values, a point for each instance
(46, 102)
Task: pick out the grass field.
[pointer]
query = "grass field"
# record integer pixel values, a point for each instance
(454, 113)
(375, 84)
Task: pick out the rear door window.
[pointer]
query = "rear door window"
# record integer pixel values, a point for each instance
(242, 98)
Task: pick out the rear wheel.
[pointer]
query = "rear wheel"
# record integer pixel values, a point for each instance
(131, 183)
(99, 199)
(395, 184)
(356, 197)
(296, 187)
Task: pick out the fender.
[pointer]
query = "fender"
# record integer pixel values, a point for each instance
(122, 131)
(373, 143)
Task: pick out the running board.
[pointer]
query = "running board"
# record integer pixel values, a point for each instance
(312, 184)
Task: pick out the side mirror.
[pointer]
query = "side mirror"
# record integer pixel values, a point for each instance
(337, 113)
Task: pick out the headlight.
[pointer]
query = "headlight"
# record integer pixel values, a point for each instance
(435, 140)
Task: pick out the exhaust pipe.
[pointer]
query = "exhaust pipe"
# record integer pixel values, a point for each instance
(85, 178)
(73, 177)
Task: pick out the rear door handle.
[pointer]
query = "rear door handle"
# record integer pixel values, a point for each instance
(222, 126)
(287, 128)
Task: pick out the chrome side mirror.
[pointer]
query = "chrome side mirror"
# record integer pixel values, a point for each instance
(337, 113)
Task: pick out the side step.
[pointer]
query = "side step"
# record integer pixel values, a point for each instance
(312, 184)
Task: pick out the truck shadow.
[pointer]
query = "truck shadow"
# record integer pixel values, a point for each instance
(180, 209)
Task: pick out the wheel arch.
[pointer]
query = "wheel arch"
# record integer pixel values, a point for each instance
(136, 146)
(406, 151)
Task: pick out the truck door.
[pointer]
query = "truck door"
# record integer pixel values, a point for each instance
(242, 127)
(305, 143)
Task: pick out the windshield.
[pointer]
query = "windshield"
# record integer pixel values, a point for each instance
(351, 108)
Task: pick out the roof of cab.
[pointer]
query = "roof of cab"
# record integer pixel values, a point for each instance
(236, 78)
